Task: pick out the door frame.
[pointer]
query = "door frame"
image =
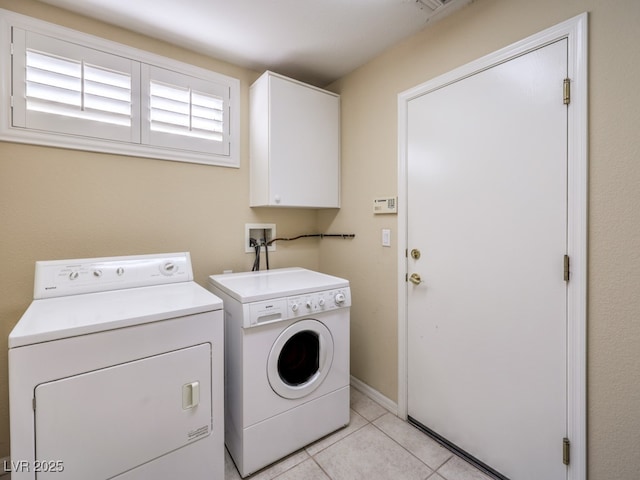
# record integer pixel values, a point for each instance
(575, 31)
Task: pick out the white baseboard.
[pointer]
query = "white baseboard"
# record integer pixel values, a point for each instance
(374, 395)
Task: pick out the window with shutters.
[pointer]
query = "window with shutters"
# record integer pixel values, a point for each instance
(74, 90)
(184, 112)
(65, 88)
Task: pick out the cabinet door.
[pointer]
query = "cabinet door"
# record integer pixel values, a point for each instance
(304, 145)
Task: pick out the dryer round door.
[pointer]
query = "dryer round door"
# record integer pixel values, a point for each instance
(300, 359)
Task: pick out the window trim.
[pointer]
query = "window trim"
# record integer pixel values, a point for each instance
(9, 19)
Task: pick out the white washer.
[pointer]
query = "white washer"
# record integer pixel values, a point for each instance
(116, 372)
(286, 361)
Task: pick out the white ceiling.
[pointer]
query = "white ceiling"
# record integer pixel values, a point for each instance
(316, 41)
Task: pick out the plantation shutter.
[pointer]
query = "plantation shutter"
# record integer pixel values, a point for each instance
(68, 88)
(184, 112)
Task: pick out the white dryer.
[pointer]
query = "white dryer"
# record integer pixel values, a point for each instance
(116, 372)
(287, 361)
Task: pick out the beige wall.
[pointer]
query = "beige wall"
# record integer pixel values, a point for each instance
(57, 203)
(64, 204)
(369, 136)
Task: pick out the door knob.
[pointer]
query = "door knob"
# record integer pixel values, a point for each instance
(415, 279)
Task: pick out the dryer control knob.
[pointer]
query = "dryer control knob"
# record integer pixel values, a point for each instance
(309, 304)
(339, 298)
(321, 302)
(168, 268)
(294, 307)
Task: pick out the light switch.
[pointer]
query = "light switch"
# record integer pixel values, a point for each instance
(386, 237)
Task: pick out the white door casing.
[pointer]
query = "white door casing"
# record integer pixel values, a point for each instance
(574, 31)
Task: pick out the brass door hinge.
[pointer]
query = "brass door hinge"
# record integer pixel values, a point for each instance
(566, 451)
(566, 91)
(567, 271)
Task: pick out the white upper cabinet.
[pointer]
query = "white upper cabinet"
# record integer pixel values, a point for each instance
(294, 144)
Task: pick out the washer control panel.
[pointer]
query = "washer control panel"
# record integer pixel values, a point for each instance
(299, 306)
(59, 278)
(318, 302)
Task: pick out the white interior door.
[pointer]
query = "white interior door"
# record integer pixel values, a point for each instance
(487, 210)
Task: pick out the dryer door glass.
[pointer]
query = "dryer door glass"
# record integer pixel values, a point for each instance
(300, 359)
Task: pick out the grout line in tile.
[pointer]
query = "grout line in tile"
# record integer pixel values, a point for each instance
(337, 441)
(407, 450)
(448, 460)
(320, 466)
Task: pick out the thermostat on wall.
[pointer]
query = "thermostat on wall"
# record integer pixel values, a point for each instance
(385, 205)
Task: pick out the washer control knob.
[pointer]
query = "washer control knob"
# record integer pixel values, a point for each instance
(73, 275)
(339, 298)
(97, 273)
(321, 302)
(120, 271)
(294, 307)
(309, 305)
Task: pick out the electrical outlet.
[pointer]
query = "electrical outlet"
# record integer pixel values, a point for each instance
(256, 231)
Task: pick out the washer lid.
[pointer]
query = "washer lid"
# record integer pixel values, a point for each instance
(62, 317)
(268, 284)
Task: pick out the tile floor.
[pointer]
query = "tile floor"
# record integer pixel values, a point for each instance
(376, 445)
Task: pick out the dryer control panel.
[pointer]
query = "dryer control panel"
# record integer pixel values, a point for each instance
(298, 306)
(58, 278)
